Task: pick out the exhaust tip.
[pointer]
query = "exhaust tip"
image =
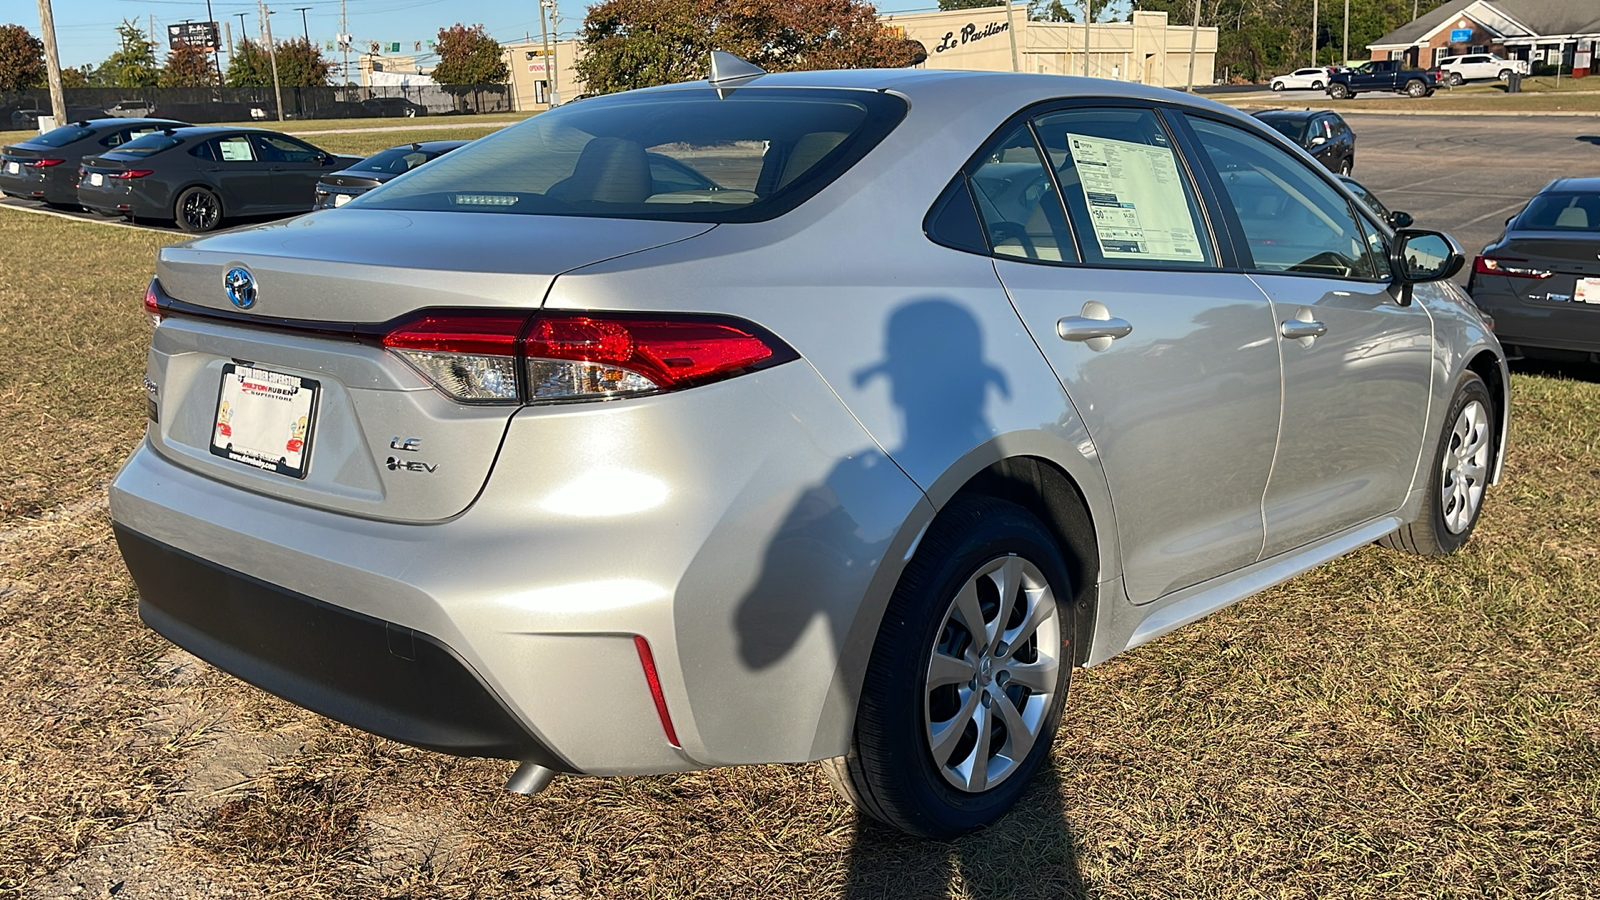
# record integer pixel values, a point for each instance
(530, 778)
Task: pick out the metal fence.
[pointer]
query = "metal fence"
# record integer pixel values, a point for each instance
(21, 111)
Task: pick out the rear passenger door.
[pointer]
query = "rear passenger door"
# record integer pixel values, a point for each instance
(1356, 364)
(244, 180)
(1103, 240)
(295, 168)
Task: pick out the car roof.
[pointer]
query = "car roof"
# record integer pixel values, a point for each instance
(209, 130)
(111, 121)
(1584, 185)
(427, 146)
(1292, 115)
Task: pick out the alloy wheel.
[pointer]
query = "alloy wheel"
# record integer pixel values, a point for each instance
(993, 674)
(1465, 468)
(200, 211)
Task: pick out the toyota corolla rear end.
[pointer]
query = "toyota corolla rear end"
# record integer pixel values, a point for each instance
(381, 480)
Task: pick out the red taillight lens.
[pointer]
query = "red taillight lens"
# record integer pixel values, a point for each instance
(132, 173)
(575, 356)
(478, 356)
(1506, 265)
(43, 163)
(152, 302)
(470, 357)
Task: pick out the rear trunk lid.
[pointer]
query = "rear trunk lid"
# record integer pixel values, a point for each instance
(378, 440)
(1574, 262)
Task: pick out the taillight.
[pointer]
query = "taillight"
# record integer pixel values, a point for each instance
(152, 303)
(132, 173)
(479, 356)
(43, 163)
(1506, 265)
(469, 357)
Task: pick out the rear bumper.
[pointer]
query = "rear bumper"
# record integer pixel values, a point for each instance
(122, 198)
(1551, 324)
(363, 671)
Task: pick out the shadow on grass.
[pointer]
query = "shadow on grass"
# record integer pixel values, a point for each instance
(1031, 853)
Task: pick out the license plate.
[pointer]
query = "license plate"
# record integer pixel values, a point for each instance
(340, 199)
(1587, 291)
(96, 179)
(13, 168)
(264, 419)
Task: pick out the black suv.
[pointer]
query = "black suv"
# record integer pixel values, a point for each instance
(1322, 132)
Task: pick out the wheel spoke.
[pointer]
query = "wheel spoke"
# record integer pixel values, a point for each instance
(1008, 578)
(976, 769)
(969, 612)
(943, 739)
(1018, 735)
(1036, 676)
(946, 669)
(1041, 606)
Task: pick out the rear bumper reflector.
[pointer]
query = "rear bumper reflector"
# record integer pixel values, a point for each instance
(648, 661)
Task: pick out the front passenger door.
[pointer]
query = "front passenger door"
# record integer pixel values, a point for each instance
(295, 167)
(1356, 364)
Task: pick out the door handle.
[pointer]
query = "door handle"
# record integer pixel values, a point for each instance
(1304, 330)
(1078, 328)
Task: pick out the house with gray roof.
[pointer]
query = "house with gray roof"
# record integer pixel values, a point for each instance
(1544, 31)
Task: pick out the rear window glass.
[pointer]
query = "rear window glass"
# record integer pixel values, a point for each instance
(60, 137)
(394, 161)
(1561, 212)
(148, 144)
(1293, 129)
(685, 155)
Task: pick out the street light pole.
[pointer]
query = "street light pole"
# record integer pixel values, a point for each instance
(304, 29)
(216, 43)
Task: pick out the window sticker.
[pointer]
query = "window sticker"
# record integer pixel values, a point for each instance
(1135, 199)
(235, 149)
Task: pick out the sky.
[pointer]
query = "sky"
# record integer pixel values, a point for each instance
(86, 29)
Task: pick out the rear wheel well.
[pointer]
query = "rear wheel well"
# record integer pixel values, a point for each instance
(1043, 489)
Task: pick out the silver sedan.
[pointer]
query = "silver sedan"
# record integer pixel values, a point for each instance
(819, 416)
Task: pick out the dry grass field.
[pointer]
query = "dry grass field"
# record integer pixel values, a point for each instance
(1383, 727)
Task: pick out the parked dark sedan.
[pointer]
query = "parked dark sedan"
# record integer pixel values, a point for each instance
(202, 175)
(46, 167)
(338, 188)
(1322, 132)
(393, 106)
(1541, 280)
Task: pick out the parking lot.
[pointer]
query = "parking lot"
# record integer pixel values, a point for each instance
(1380, 727)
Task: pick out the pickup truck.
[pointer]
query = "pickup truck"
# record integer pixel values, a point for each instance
(1382, 75)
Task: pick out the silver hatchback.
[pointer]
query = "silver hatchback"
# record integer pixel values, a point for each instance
(819, 416)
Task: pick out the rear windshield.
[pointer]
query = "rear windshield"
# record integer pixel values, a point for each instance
(683, 155)
(60, 137)
(1561, 212)
(145, 145)
(394, 161)
(1293, 129)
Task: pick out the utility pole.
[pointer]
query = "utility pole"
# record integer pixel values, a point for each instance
(52, 63)
(1316, 31)
(544, 40)
(555, 47)
(304, 29)
(244, 35)
(216, 45)
(1011, 32)
(1194, 43)
(1346, 33)
(1088, 16)
(272, 53)
(344, 43)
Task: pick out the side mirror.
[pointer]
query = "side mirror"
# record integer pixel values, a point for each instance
(1417, 257)
(1318, 141)
(1399, 219)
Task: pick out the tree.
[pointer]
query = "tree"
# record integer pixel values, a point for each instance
(469, 56)
(640, 43)
(77, 77)
(300, 64)
(134, 62)
(21, 59)
(188, 66)
(1049, 11)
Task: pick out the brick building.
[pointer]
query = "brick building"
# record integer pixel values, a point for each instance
(1539, 31)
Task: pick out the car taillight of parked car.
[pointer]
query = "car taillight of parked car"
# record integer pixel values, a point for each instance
(152, 303)
(1506, 265)
(126, 174)
(43, 163)
(478, 356)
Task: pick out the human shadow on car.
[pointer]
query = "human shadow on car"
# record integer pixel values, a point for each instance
(1031, 853)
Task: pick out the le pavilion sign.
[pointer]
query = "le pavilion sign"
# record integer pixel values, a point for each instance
(971, 33)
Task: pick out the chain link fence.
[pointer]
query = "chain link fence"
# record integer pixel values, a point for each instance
(20, 111)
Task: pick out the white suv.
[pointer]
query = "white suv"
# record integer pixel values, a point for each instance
(1458, 69)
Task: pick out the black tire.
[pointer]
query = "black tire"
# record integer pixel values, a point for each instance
(1277, 85)
(1415, 89)
(1429, 534)
(1505, 74)
(1348, 166)
(197, 210)
(1456, 80)
(890, 772)
(1339, 91)
(410, 113)
(1316, 85)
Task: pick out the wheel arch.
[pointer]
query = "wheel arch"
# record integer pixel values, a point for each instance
(1492, 369)
(1049, 493)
